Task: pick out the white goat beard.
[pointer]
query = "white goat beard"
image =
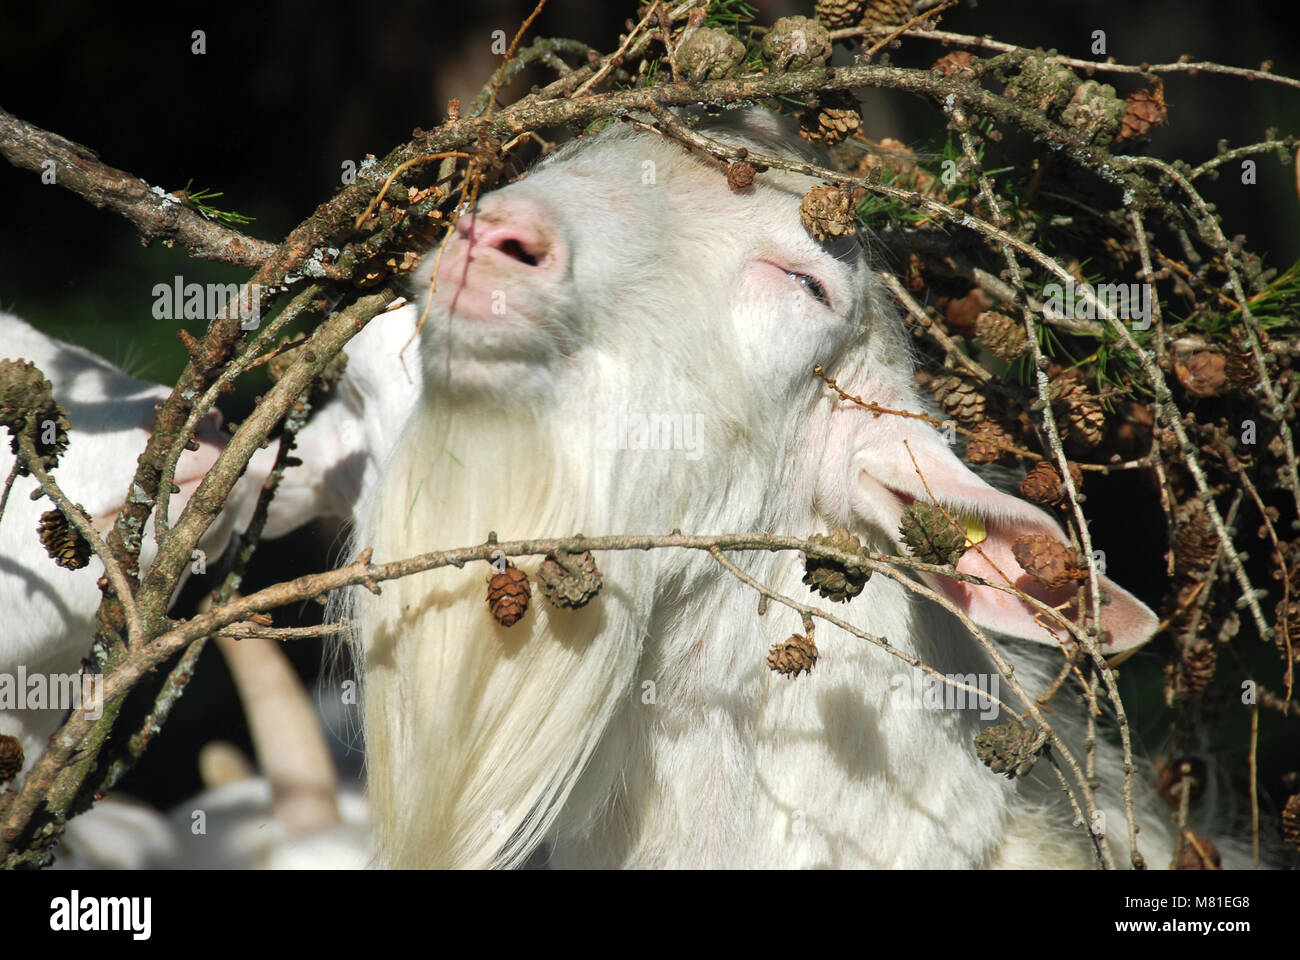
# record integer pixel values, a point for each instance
(475, 733)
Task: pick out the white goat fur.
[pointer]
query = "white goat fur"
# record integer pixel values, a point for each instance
(484, 742)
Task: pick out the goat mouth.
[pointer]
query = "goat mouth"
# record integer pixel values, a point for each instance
(489, 319)
(490, 286)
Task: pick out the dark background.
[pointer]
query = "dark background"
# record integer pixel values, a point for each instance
(289, 91)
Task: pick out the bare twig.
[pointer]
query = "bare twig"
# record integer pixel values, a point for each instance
(616, 58)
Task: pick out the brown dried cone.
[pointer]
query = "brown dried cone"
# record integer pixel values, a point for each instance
(571, 584)
(1134, 434)
(833, 580)
(893, 159)
(960, 313)
(63, 542)
(1193, 670)
(1196, 543)
(960, 62)
(888, 13)
(930, 536)
(837, 14)
(1199, 854)
(1084, 417)
(1291, 822)
(1050, 562)
(797, 655)
(828, 212)
(11, 757)
(1203, 374)
(709, 53)
(989, 443)
(1007, 747)
(795, 43)
(833, 119)
(1043, 484)
(1004, 336)
(959, 398)
(1143, 110)
(1239, 367)
(27, 406)
(508, 594)
(740, 175)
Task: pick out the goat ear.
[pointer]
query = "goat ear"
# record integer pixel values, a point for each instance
(325, 483)
(329, 479)
(341, 448)
(191, 468)
(289, 510)
(300, 497)
(888, 471)
(194, 465)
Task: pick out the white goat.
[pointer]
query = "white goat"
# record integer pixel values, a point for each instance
(48, 611)
(622, 279)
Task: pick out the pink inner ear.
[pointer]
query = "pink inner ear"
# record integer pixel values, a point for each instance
(194, 465)
(902, 461)
(1001, 611)
(1127, 622)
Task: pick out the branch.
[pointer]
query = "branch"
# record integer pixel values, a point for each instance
(1189, 66)
(156, 214)
(57, 779)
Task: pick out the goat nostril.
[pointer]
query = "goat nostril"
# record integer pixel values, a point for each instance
(512, 248)
(522, 235)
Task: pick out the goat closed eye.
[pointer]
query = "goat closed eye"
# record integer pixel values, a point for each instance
(812, 285)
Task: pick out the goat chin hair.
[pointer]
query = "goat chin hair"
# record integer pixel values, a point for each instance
(645, 729)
